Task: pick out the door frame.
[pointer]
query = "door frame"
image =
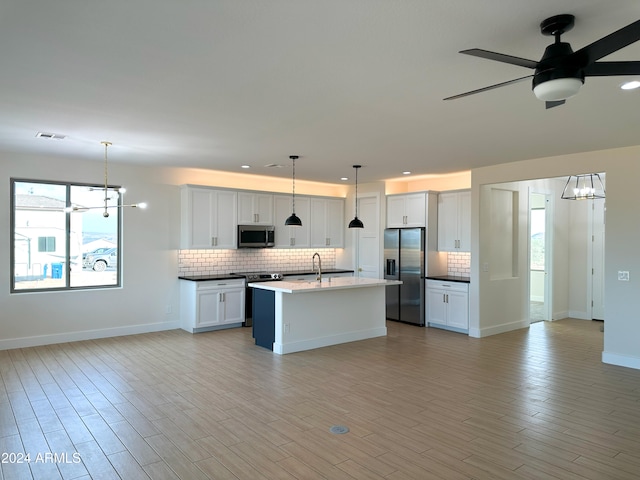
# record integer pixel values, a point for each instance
(548, 254)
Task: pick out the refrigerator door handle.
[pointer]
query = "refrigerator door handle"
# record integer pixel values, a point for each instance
(391, 267)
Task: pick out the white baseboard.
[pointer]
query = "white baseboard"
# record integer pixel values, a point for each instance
(621, 360)
(497, 329)
(86, 335)
(291, 347)
(560, 315)
(582, 315)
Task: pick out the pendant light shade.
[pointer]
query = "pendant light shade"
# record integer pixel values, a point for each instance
(583, 187)
(356, 222)
(293, 220)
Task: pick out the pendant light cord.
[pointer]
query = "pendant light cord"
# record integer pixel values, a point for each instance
(106, 181)
(356, 192)
(293, 201)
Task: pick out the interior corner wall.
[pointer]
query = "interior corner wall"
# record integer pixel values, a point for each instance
(149, 297)
(622, 303)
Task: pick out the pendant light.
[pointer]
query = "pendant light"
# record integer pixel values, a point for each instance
(356, 222)
(293, 220)
(106, 189)
(583, 187)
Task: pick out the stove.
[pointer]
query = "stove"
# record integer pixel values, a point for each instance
(260, 276)
(253, 277)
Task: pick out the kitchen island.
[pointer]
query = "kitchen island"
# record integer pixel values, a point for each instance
(302, 315)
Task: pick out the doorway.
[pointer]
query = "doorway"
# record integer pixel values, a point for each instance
(540, 247)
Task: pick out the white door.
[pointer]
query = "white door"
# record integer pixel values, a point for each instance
(368, 238)
(597, 255)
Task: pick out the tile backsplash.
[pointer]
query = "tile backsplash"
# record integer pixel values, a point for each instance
(459, 264)
(215, 262)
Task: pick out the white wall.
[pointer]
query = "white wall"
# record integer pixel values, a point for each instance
(490, 305)
(150, 241)
(150, 252)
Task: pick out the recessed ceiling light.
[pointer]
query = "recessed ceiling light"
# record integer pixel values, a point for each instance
(245, 166)
(630, 85)
(344, 179)
(406, 173)
(56, 136)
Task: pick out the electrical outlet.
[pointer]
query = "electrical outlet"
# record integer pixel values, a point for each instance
(623, 275)
(286, 328)
(168, 309)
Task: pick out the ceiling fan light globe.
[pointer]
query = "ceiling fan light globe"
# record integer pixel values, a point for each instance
(557, 89)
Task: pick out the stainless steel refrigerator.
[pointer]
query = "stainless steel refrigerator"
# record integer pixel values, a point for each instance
(404, 250)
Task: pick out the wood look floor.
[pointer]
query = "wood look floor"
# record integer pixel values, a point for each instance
(536, 403)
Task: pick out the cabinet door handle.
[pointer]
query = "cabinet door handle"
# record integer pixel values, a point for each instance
(444, 298)
(447, 298)
(214, 241)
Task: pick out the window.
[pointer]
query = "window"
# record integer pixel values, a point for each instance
(64, 236)
(46, 244)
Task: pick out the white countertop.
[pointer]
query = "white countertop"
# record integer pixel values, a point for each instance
(339, 283)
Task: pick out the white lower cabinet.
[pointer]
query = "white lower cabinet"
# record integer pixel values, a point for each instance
(447, 305)
(212, 304)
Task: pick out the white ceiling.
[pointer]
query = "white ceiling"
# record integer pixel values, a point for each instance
(220, 83)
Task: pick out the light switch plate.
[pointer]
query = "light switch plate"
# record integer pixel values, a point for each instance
(623, 275)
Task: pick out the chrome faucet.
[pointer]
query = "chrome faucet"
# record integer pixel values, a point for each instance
(319, 271)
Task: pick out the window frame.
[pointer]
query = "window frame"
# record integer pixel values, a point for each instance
(12, 232)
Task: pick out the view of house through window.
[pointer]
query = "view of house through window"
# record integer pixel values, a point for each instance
(62, 237)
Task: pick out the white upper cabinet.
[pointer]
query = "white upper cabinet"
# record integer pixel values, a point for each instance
(327, 222)
(208, 218)
(406, 210)
(291, 237)
(454, 221)
(255, 208)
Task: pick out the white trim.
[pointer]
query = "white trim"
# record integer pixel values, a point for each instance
(291, 347)
(497, 329)
(560, 315)
(86, 335)
(621, 360)
(579, 315)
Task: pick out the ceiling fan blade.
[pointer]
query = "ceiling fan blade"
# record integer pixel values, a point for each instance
(607, 45)
(491, 87)
(554, 103)
(500, 57)
(605, 69)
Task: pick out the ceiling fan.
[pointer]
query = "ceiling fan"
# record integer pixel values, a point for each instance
(561, 72)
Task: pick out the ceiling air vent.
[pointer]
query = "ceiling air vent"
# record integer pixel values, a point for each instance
(274, 165)
(56, 136)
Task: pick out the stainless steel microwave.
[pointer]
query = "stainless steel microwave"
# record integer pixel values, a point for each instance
(256, 236)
